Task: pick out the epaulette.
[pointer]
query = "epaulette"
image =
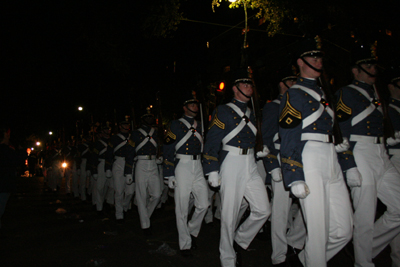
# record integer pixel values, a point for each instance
(290, 117)
(169, 138)
(216, 122)
(343, 112)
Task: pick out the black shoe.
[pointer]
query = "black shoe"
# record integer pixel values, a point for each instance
(282, 264)
(147, 232)
(101, 214)
(194, 245)
(238, 250)
(292, 251)
(120, 221)
(294, 260)
(186, 253)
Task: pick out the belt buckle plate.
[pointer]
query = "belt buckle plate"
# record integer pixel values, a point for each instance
(244, 151)
(377, 140)
(194, 157)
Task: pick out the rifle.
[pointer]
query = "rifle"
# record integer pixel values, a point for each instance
(388, 130)
(160, 126)
(255, 100)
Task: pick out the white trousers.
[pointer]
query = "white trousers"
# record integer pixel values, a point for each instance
(280, 217)
(380, 180)
(240, 179)
(148, 190)
(327, 209)
(395, 244)
(189, 180)
(123, 191)
(75, 180)
(82, 180)
(102, 188)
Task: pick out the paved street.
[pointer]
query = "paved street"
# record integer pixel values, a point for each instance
(41, 228)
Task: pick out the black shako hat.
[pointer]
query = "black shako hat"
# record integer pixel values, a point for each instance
(364, 53)
(310, 47)
(148, 114)
(241, 76)
(289, 72)
(190, 97)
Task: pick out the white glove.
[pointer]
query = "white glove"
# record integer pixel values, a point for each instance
(95, 176)
(392, 142)
(214, 179)
(276, 175)
(354, 178)
(88, 173)
(299, 189)
(344, 146)
(159, 160)
(108, 174)
(263, 153)
(397, 134)
(172, 182)
(129, 179)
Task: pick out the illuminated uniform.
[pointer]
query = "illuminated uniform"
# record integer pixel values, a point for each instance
(115, 161)
(361, 120)
(182, 159)
(308, 154)
(229, 149)
(143, 149)
(281, 203)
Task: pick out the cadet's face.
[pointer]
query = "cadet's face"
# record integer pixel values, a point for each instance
(191, 109)
(246, 88)
(364, 77)
(306, 71)
(124, 128)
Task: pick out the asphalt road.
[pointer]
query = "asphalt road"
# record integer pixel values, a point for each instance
(42, 228)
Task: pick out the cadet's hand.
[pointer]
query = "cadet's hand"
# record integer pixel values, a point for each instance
(108, 174)
(344, 146)
(159, 160)
(171, 182)
(276, 175)
(392, 142)
(354, 178)
(95, 176)
(129, 179)
(397, 134)
(88, 173)
(299, 189)
(214, 179)
(263, 153)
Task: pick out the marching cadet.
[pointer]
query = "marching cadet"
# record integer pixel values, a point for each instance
(124, 186)
(281, 207)
(104, 188)
(362, 121)
(143, 149)
(183, 172)
(229, 162)
(309, 160)
(392, 79)
(83, 153)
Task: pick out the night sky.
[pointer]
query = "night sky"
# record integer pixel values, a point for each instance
(58, 55)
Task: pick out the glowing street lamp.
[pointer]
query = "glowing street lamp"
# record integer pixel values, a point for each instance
(50, 133)
(38, 143)
(80, 108)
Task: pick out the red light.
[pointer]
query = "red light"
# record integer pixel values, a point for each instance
(221, 86)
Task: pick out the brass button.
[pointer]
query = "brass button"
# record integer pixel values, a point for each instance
(293, 170)
(310, 101)
(313, 109)
(315, 128)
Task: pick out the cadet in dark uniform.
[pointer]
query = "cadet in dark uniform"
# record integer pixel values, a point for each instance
(392, 79)
(115, 167)
(309, 161)
(229, 161)
(281, 207)
(143, 149)
(361, 120)
(183, 172)
(83, 153)
(104, 188)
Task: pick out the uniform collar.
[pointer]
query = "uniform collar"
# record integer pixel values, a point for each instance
(240, 104)
(363, 85)
(189, 119)
(309, 83)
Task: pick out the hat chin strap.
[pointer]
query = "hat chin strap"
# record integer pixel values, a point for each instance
(311, 66)
(242, 92)
(369, 74)
(195, 112)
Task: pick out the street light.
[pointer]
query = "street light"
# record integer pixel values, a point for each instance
(80, 108)
(50, 133)
(38, 143)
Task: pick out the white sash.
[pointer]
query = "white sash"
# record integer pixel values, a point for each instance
(86, 150)
(104, 149)
(125, 140)
(366, 112)
(188, 134)
(145, 140)
(241, 125)
(395, 107)
(315, 115)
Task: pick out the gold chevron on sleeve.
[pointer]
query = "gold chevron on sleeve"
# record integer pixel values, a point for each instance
(207, 157)
(341, 106)
(131, 143)
(217, 122)
(171, 135)
(289, 109)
